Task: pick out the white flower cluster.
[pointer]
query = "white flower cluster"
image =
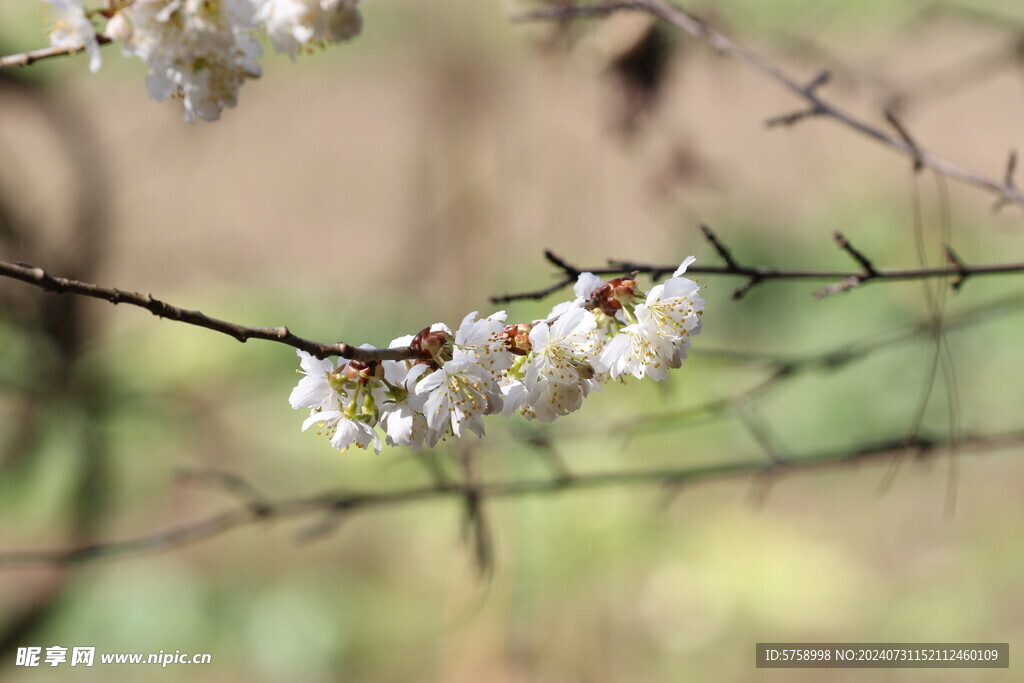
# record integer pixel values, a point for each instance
(541, 370)
(203, 51)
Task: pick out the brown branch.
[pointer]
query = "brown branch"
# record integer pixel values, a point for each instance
(898, 126)
(957, 262)
(350, 502)
(59, 285)
(1008, 179)
(756, 275)
(570, 271)
(817, 105)
(869, 271)
(724, 252)
(33, 56)
(475, 526)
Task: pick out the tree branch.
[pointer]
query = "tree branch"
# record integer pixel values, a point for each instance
(59, 285)
(817, 106)
(756, 275)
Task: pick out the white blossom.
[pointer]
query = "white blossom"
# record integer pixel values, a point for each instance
(556, 378)
(334, 403)
(514, 397)
(344, 431)
(541, 370)
(401, 409)
(72, 30)
(562, 350)
(549, 400)
(458, 395)
(584, 286)
(197, 50)
(118, 27)
(483, 340)
(658, 340)
(314, 389)
(291, 24)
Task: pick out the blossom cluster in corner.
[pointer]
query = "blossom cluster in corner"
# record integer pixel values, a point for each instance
(202, 51)
(541, 370)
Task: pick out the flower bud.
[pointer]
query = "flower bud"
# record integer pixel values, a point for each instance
(610, 296)
(358, 371)
(623, 289)
(354, 370)
(336, 379)
(119, 28)
(343, 19)
(434, 346)
(368, 411)
(517, 338)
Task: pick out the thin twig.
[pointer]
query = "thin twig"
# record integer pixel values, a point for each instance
(756, 275)
(817, 106)
(1008, 180)
(33, 56)
(246, 493)
(723, 251)
(957, 262)
(475, 526)
(869, 271)
(898, 126)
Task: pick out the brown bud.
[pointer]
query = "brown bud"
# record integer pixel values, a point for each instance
(623, 289)
(610, 296)
(358, 371)
(429, 345)
(354, 370)
(517, 338)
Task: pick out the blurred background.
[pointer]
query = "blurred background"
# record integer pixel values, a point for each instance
(369, 190)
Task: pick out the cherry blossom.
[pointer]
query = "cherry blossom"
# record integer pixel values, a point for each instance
(542, 370)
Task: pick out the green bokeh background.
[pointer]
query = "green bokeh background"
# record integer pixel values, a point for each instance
(370, 190)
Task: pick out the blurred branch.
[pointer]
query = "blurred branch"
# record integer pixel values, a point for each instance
(59, 285)
(347, 503)
(60, 331)
(756, 275)
(945, 81)
(781, 370)
(816, 105)
(33, 56)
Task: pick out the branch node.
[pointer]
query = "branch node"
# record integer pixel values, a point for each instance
(743, 289)
(251, 498)
(1010, 193)
(723, 251)
(561, 263)
(856, 255)
(794, 117)
(823, 77)
(916, 155)
(841, 286)
(957, 262)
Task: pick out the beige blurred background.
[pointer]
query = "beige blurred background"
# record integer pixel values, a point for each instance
(380, 186)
